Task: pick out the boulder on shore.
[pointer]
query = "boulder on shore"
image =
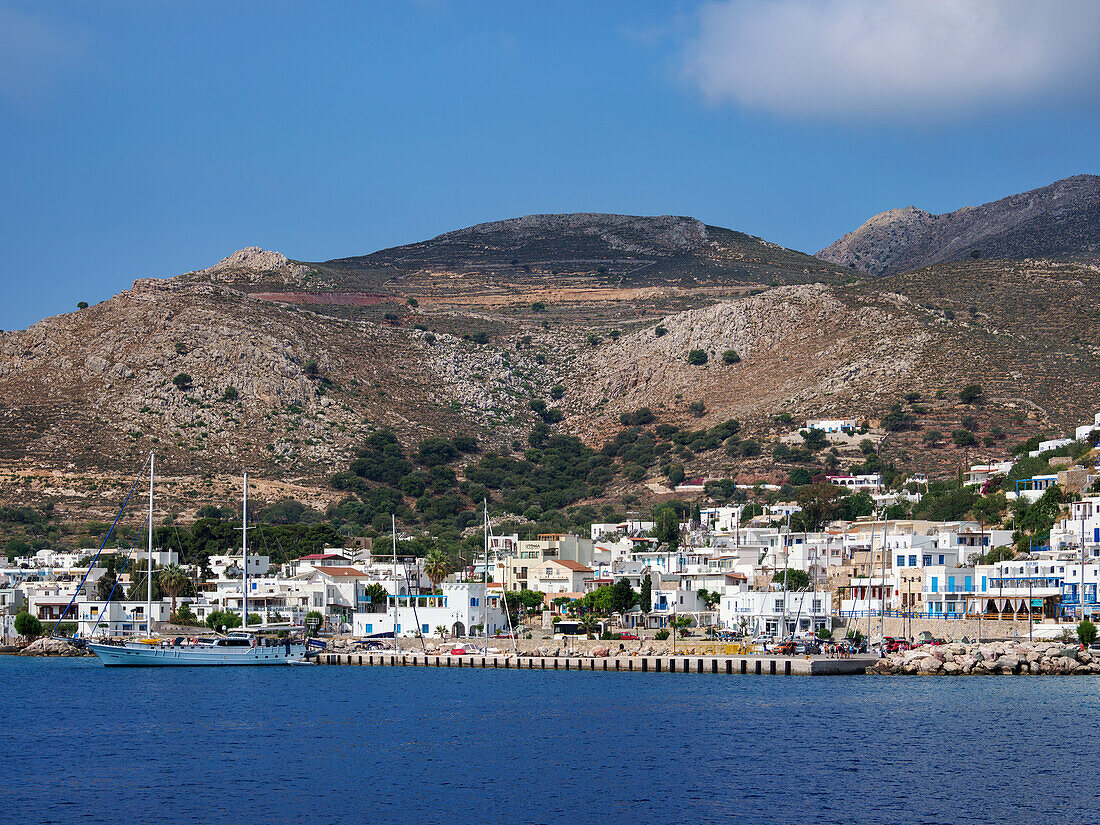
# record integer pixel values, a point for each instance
(46, 646)
(1005, 658)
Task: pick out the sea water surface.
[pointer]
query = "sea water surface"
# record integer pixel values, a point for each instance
(84, 743)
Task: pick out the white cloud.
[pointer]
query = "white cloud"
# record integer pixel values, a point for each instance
(32, 54)
(890, 58)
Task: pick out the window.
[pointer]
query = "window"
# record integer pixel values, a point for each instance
(368, 628)
(474, 602)
(935, 584)
(941, 559)
(927, 560)
(913, 561)
(778, 605)
(968, 584)
(424, 629)
(901, 561)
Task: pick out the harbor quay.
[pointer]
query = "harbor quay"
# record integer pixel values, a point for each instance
(727, 665)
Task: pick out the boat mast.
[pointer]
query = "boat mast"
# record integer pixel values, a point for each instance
(485, 582)
(393, 530)
(244, 557)
(149, 566)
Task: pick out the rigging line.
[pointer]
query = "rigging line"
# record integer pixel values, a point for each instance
(416, 618)
(179, 541)
(106, 538)
(114, 587)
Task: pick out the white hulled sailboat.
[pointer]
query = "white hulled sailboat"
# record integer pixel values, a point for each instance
(243, 647)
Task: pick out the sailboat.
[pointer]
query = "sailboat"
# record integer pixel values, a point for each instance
(242, 647)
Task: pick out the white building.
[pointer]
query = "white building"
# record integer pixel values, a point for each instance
(1081, 524)
(116, 618)
(871, 482)
(559, 576)
(462, 606)
(1047, 446)
(609, 532)
(763, 611)
(979, 474)
(1086, 430)
(228, 566)
(832, 425)
(666, 602)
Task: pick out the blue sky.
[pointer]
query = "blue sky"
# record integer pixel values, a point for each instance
(151, 138)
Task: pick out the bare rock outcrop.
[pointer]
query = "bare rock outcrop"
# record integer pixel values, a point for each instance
(1059, 220)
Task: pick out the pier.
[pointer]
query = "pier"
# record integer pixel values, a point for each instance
(727, 665)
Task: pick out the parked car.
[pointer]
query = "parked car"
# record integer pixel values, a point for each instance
(762, 640)
(810, 647)
(628, 637)
(893, 645)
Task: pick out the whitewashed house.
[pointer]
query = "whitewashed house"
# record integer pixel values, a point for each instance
(462, 606)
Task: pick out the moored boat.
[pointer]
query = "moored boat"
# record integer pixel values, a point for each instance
(249, 646)
(234, 649)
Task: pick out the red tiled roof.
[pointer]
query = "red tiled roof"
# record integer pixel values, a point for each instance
(575, 566)
(344, 572)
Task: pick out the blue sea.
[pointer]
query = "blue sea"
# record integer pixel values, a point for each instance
(84, 743)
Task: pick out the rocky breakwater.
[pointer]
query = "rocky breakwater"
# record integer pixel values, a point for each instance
(45, 646)
(999, 658)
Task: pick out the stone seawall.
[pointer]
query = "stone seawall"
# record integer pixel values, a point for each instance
(949, 629)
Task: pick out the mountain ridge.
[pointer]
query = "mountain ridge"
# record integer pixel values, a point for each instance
(285, 367)
(1061, 220)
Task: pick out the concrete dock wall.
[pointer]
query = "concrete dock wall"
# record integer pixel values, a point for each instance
(726, 665)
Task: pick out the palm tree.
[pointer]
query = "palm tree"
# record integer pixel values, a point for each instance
(172, 580)
(437, 566)
(441, 631)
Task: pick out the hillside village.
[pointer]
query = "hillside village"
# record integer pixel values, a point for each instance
(763, 567)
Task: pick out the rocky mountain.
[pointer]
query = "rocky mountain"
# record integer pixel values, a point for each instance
(284, 367)
(1057, 221)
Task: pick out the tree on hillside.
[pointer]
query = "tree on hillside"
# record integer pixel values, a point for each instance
(184, 616)
(139, 587)
(667, 529)
(645, 599)
(106, 583)
(794, 579)
(623, 596)
(376, 594)
(814, 439)
(28, 626)
(819, 504)
(173, 580)
(1086, 632)
(437, 566)
(972, 394)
